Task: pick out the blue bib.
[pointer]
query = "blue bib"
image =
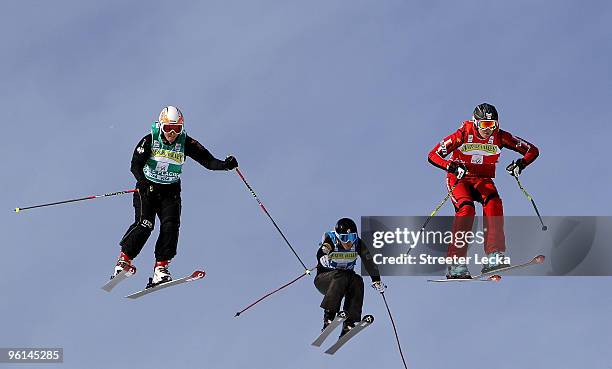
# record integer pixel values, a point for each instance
(341, 258)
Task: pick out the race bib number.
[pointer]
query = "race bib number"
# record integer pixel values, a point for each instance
(340, 257)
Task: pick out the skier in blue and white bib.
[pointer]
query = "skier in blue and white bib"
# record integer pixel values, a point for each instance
(336, 278)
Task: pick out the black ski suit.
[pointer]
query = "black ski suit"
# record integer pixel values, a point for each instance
(163, 200)
(336, 284)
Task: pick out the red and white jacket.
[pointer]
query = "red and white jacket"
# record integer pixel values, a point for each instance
(479, 155)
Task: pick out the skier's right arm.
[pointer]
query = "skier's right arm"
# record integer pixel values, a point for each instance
(325, 247)
(437, 156)
(141, 154)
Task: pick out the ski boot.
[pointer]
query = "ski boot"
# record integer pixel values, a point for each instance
(495, 263)
(123, 262)
(458, 271)
(347, 325)
(161, 274)
(328, 317)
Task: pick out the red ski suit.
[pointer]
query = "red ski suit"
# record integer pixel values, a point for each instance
(480, 156)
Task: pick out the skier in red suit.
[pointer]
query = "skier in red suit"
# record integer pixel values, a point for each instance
(474, 151)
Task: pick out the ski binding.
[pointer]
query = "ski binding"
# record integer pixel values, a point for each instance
(339, 319)
(363, 324)
(114, 281)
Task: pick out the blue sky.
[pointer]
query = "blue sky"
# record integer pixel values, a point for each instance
(330, 108)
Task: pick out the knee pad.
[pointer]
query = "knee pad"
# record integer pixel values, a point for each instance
(493, 206)
(465, 208)
(492, 196)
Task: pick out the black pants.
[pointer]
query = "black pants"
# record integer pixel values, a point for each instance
(167, 206)
(337, 284)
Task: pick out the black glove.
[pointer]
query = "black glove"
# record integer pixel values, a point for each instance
(230, 163)
(458, 169)
(516, 167)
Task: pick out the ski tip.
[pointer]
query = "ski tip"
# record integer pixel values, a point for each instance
(197, 274)
(495, 278)
(539, 259)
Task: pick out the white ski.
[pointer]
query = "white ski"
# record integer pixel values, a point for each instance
(492, 276)
(125, 273)
(198, 274)
(341, 317)
(363, 324)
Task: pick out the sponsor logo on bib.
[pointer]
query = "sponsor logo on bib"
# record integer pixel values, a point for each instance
(476, 159)
(488, 148)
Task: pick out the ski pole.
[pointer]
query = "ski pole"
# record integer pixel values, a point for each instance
(532, 202)
(273, 292)
(17, 210)
(394, 330)
(261, 205)
(433, 213)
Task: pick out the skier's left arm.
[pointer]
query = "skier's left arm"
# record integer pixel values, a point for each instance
(368, 262)
(199, 153)
(529, 151)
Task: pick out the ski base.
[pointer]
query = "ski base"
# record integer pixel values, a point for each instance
(198, 274)
(492, 276)
(114, 281)
(339, 319)
(365, 322)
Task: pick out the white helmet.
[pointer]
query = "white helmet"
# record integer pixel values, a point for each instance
(170, 114)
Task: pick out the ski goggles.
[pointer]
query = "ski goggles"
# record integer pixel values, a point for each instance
(348, 237)
(169, 127)
(486, 124)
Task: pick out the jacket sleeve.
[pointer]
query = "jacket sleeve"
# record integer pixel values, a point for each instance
(515, 143)
(199, 153)
(368, 262)
(437, 156)
(142, 152)
(320, 253)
